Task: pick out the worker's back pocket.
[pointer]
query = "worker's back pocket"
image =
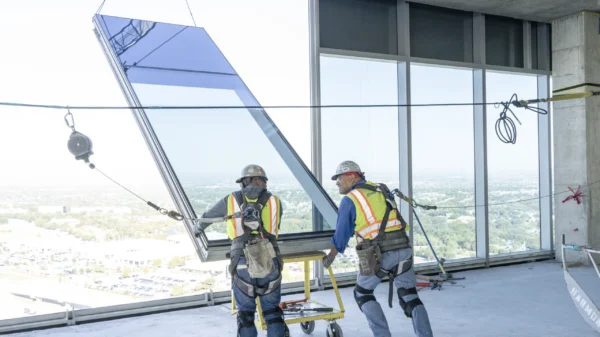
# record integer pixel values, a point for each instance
(260, 254)
(369, 259)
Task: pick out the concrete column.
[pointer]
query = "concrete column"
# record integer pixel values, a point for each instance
(576, 62)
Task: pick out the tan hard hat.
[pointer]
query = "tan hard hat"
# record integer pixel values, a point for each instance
(252, 171)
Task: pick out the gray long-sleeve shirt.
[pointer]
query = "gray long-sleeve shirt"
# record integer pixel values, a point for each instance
(220, 208)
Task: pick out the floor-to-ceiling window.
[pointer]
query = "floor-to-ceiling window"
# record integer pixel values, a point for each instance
(513, 169)
(365, 135)
(442, 161)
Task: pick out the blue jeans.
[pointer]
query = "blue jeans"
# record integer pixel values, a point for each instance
(246, 305)
(407, 280)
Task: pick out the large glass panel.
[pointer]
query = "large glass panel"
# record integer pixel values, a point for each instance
(360, 25)
(513, 170)
(366, 135)
(442, 162)
(441, 33)
(214, 143)
(503, 41)
(206, 147)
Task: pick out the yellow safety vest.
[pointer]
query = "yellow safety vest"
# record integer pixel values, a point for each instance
(370, 209)
(270, 215)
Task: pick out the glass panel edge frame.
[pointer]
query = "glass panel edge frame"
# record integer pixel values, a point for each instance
(545, 138)
(405, 143)
(215, 250)
(545, 165)
(480, 141)
(314, 30)
(165, 169)
(404, 113)
(481, 168)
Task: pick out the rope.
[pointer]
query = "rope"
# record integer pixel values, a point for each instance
(100, 8)
(128, 190)
(220, 107)
(190, 10)
(504, 122)
(509, 126)
(413, 203)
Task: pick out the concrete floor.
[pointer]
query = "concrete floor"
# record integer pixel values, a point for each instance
(522, 300)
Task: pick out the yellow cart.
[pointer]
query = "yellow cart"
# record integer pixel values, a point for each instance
(297, 314)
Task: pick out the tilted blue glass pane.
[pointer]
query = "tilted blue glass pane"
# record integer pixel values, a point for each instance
(166, 46)
(183, 78)
(211, 145)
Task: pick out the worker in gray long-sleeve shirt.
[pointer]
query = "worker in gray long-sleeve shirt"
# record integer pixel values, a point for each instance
(253, 219)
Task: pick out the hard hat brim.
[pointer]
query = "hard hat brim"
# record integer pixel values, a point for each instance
(242, 178)
(337, 175)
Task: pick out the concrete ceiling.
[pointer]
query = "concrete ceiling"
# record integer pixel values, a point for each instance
(534, 10)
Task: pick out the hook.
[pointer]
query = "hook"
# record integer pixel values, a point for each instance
(72, 124)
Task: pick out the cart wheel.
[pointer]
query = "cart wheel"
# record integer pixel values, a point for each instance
(286, 330)
(335, 328)
(308, 327)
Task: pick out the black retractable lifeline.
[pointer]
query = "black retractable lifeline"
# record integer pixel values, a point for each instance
(81, 145)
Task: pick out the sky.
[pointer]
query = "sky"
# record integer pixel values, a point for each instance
(51, 56)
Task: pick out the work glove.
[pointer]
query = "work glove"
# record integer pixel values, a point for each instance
(327, 261)
(200, 227)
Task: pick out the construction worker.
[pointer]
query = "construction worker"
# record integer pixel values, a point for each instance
(253, 220)
(367, 209)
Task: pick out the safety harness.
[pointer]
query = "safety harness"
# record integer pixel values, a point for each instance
(392, 240)
(384, 242)
(252, 221)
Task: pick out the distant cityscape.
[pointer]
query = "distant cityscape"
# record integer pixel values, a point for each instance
(96, 247)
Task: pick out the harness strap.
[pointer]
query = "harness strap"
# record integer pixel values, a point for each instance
(246, 318)
(381, 273)
(388, 208)
(279, 319)
(409, 306)
(275, 321)
(367, 296)
(262, 200)
(272, 311)
(398, 269)
(253, 291)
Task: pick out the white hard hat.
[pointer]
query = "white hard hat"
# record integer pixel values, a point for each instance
(345, 167)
